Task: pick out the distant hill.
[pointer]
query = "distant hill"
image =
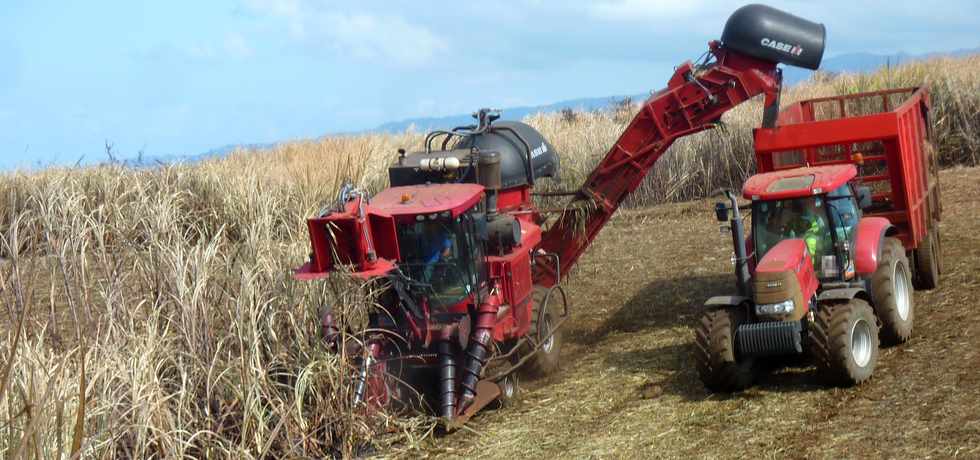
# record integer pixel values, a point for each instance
(866, 62)
(512, 113)
(854, 62)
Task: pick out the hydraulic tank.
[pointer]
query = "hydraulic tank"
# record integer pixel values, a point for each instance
(508, 139)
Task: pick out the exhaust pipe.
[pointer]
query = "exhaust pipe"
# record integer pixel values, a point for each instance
(742, 275)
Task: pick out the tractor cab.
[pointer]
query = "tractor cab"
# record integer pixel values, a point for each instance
(815, 205)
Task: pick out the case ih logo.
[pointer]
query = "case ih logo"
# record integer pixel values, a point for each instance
(795, 50)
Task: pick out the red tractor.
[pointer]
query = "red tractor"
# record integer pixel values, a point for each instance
(844, 215)
(468, 266)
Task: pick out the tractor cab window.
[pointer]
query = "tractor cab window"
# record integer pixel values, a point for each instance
(798, 218)
(438, 251)
(844, 213)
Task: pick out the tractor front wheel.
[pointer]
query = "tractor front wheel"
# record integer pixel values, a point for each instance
(844, 342)
(546, 343)
(714, 352)
(891, 291)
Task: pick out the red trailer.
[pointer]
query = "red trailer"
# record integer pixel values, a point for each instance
(844, 212)
(886, 135)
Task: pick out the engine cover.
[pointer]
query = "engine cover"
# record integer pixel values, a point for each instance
(784, 273)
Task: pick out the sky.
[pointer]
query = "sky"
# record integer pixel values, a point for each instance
(182, 77)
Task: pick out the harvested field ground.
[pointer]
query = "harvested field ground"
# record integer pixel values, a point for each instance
(628, 386)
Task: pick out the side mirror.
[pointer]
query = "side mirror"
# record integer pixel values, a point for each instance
(863, 197)
(721, 212)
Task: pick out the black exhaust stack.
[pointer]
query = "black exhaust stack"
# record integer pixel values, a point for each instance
(742, 275)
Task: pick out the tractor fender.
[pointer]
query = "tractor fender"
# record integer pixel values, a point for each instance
(868, 241)
(841, 294)
(720, 301)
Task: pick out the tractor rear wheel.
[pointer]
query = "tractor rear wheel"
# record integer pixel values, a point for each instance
(844, 342)
(545, 314)
(928, 257)
(718, 365)
(891, 291)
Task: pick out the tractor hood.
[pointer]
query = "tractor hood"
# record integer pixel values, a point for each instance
(785, 273)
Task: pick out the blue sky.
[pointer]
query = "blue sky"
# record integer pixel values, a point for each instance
(182, 77)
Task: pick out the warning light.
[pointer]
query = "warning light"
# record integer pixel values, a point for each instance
(858, 158)
(406, 198)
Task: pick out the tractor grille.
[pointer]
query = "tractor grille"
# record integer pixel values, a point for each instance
(770, 338)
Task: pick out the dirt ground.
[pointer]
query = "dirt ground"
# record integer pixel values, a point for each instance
(628, 386)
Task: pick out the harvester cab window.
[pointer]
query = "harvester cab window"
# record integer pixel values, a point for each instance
(436, 250)
(798, 218)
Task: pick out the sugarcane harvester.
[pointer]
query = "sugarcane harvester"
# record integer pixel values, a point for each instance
(471, 265)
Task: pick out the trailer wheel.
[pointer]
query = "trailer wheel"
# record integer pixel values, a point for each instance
(545, 314)
(928, 257)
(718, 365)
(891, 291)
(844, 342)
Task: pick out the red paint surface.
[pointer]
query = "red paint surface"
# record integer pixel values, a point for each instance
(807, 129)
(685, 107)
(792, 255)
(411, 200)
(867, 244)
(825, 179)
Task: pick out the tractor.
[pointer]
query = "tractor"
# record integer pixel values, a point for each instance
(468, 265)
(844, 225)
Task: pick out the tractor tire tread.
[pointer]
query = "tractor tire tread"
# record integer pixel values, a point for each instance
(829, 342)
(893, 329)
(715, 355)
(927, 261)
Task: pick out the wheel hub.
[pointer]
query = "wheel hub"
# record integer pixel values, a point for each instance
(508, 387)
(902, 291)
(548, 344)
(861, 342)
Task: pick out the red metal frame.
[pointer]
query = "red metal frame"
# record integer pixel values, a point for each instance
(896, 156)
(690, 103)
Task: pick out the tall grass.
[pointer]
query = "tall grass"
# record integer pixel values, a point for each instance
(150, 313)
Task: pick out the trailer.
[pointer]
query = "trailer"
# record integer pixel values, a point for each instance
(887, 135)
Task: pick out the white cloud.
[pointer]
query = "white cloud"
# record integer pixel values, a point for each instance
(236, 45)
(644, 10)
(362, 35)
